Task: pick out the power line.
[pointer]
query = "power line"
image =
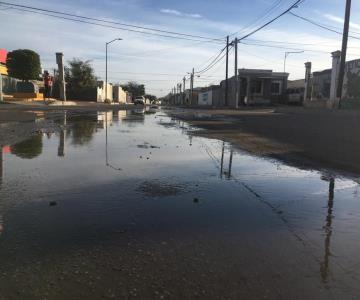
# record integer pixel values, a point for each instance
(266, 13)
(271, 21)
(209, 67)
(320, 25)
(212, 58)
(288, 43)
(105, 21)
(114, 27)
(289, 48)
(213, 61)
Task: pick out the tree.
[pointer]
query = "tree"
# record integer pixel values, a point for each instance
(134, 88)
(80, 79)
(28, 149)
(82, 131)
(152, 98)
(23, 64)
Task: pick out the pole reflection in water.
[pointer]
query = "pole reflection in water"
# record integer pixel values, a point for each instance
(324, 266)
(228, 172)
(230, 163)
(107, 163)
(61, 148)
(222, 160)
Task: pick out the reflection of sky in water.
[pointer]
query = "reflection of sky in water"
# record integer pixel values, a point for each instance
(72, 166)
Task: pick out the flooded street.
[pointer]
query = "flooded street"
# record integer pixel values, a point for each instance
(135, 205)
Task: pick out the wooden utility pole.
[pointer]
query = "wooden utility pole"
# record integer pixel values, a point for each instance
(227, 71)
(184, 80)
(343, 51)
(191, 86)
(174, 96)
(236, 75)
(60, 63)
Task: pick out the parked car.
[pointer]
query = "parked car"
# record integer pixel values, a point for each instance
(295, 95)
(139, 101)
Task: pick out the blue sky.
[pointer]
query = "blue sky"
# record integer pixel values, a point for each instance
(140, 57)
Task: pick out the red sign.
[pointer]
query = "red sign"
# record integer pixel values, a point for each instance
(3, 55)
(6, 149)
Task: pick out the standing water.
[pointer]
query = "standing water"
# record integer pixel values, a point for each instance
(133, 205)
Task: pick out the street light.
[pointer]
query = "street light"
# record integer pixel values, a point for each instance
(117, 39)
(287, 54)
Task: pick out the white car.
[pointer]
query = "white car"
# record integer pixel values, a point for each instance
(139, 101)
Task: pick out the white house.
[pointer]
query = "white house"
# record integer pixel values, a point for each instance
(205, 98)
(119, 95)
(100, 91)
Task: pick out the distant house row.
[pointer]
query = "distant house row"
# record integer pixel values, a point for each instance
(255, 86)
(258, 86)
(115, 93)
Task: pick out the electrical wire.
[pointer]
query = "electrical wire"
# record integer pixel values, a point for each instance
(263, 16)
(321, 25)
(272, 20)
(32, 8)
(289, 48)
(213, 61)
(211, 65)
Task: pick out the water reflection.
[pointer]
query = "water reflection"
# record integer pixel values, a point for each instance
(119, 115)
(61, 148)
(324, 265)
(29, 148)
(82, 130)
(175, 177)
(228, 172)
(105, 117)
(134, 117)
(222, 160)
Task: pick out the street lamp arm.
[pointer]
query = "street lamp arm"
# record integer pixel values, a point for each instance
(106, 64)
(117, 39)
(287, 54)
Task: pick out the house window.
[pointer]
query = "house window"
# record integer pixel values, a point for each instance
(276, 88)
(256, 87)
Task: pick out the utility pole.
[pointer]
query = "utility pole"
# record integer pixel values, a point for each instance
(236, 75)
(177, 93)
(174, 95)
(343, 50)
(227, 71)
(184, 80)
(60, 63)
(180, 97)
(191, 86)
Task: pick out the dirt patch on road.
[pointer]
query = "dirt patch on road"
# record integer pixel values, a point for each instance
(156, 188)
(307, 138)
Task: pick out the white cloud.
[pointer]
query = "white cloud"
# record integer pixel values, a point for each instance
(179, 13)
(341, 21)
(171, 11)
(197, 16)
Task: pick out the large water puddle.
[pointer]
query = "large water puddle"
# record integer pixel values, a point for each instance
(133, 204)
